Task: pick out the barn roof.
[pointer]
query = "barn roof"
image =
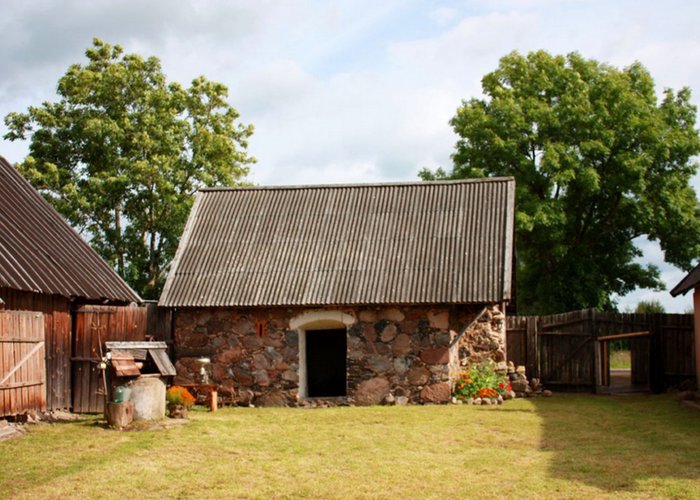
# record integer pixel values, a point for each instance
(405, 243)
(691, 280)
(40, 252)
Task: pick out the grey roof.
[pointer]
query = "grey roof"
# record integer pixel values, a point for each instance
(157, 350)
(40, 252)
(405, 243)
(691, 280)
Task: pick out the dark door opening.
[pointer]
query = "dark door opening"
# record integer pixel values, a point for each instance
(326, 363)
(624, 363)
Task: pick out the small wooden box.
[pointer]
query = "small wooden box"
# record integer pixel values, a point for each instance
(119, 415)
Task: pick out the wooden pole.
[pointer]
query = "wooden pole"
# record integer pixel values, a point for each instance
(696, 332)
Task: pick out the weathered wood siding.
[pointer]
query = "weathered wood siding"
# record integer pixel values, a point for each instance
(22, 366)
(57, 332)
(93, 326)
(566, 349)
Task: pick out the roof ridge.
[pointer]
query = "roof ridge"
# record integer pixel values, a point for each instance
(358, 185)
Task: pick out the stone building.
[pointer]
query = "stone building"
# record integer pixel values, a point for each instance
(363, 292)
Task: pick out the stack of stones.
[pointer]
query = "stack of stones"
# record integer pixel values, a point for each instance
(522, 388)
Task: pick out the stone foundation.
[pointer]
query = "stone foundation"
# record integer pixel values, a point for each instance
(395, 354)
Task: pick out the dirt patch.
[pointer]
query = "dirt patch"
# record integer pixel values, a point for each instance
(156, 425)
(10, 430)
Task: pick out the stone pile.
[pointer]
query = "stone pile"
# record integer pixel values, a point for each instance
(521, 387)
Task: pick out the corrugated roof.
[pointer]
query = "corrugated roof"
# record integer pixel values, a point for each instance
(691, 280)
(40, 252)
(404, 243)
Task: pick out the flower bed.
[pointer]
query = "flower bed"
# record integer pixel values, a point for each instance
(480, 383)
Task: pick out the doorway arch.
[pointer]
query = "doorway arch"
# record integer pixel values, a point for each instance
(322, 333)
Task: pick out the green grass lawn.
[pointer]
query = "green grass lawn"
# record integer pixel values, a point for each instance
(620, 360)
(567, 446)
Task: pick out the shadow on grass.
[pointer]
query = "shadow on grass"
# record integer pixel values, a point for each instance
(621, 443)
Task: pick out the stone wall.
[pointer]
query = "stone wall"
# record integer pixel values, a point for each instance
(397, 354)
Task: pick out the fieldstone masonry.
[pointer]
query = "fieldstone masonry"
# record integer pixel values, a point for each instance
(394, 354)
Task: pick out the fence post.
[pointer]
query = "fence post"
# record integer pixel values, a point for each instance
(533, 365)
(657, 353)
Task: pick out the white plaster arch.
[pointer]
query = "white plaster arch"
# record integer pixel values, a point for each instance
(315, 320)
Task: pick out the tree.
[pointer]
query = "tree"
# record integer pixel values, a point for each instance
(598, 162)
(652, 306)
(122, 151)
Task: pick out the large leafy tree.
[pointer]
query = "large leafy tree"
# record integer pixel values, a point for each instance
(122, 151)
(599, 161)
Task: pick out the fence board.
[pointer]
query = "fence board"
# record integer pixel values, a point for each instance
(22, 364)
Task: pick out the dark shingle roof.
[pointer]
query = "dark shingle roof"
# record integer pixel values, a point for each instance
(407, 243)
(40, 252)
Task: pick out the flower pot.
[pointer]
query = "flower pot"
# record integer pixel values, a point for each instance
(177, 411)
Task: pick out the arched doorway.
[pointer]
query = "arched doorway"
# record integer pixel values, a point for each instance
(322, 353)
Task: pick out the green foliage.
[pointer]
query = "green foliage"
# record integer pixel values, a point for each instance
(650, 307)
(122, 152)
(480, 380)
(598, 162)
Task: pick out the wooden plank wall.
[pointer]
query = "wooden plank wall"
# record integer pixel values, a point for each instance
(562, 349)
(57, 331)
(22, 344)
(160, 322)
(567, 349)
(95, 325)
(516, 340)
(678, 348)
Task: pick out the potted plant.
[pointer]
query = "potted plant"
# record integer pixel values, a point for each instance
(179, 401)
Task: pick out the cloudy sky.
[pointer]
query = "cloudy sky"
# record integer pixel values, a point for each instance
(347, 91)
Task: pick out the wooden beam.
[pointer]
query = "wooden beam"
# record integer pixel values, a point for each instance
(19, 385)
(623, 336)
(469, 325)
(135, 345)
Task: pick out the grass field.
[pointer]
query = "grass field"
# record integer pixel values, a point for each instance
(567, 446)
(620, 360)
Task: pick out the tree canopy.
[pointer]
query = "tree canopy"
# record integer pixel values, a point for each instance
(652, 306)
(122, 151)
(599, 161)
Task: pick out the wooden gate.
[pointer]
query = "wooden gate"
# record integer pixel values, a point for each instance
(92, 327)
(570, 350)
(22, 362)
(566, 350)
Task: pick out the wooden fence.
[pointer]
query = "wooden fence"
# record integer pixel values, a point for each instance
(22, 362)
(570, 350)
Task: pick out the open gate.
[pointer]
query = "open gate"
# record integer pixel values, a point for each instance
(571, 350)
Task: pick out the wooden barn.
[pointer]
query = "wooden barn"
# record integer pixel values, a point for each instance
(76, 302)
(692, 282)
(364, 293)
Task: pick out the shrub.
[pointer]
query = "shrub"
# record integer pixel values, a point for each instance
(179, 395)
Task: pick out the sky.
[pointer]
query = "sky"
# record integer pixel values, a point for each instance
(348, 91)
